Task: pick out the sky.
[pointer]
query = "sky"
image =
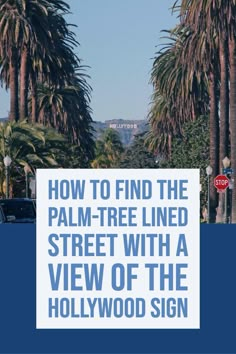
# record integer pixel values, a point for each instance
(118, 40)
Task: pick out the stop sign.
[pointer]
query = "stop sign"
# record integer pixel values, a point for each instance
(221, 182)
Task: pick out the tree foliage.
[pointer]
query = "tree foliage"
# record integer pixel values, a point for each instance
(180, 92)
(195, 74)
(39, 64)
(35, 146)
(191, 150)
(108, 150)
(137, 155)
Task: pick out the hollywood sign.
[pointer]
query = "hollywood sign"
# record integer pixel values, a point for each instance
(123, 126)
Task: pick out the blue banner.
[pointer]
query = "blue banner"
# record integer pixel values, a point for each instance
(18, 332)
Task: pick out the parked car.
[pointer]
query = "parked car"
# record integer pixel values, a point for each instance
(2, 216)
(18, 210)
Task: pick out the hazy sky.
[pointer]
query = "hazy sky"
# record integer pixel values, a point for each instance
(118, 40)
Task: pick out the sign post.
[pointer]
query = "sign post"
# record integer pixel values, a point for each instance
(221, 182)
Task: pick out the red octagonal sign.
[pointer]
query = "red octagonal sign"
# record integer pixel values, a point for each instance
(221, 182)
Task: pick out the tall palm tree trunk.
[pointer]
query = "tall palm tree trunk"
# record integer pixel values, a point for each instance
(224, 100)
(169, 145)
(24, 84)
(34, 98)
(13, 71)
(232, 54)
(224, 114)
(214, 145)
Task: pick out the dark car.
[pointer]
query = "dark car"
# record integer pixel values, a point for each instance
(16, 210)
(2, 216)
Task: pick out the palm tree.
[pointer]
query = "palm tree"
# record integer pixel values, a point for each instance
(34, 146)
(50, 57)
(180, 92)
(13, 33)
(35, 17)
(232, 56)
(108, 150)
(213, 20)
(23, 142)
(52, 62)
(36, 40)
(163, 126)
(67, 110)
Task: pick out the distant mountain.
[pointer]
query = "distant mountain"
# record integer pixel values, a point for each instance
(127, 129)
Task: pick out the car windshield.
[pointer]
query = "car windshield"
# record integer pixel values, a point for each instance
(20, 209)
